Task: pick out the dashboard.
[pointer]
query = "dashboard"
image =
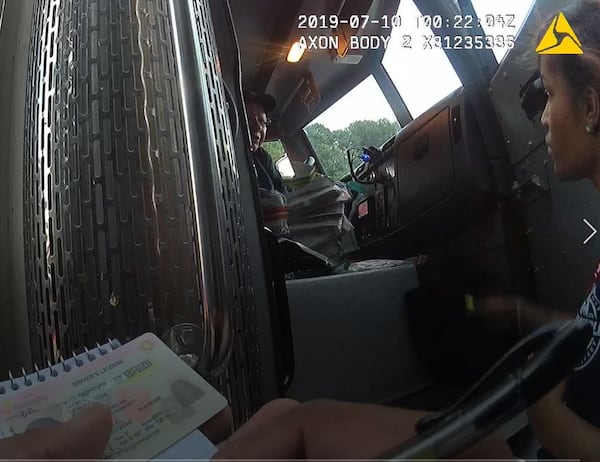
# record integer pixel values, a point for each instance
(432, 175)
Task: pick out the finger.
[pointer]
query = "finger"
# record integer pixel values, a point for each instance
(350, 430)
(329, 429)
(276, 439)
(324, 429)
(265, 414)
(554, 396)
(83, 437)
(219, 427)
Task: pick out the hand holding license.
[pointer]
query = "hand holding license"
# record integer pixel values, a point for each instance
(156, 400)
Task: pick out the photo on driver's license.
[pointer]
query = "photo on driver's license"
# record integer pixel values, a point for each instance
(370, 226)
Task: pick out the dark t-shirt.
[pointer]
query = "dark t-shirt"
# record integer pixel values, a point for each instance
(581, 394)
(268, 176)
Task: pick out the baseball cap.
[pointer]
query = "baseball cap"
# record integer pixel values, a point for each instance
(266, 100)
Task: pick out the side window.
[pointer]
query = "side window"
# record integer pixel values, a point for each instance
(275, 149)
(362, 117)
(423, 76)
(279, 156)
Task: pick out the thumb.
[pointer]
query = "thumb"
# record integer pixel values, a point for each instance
(83, 437)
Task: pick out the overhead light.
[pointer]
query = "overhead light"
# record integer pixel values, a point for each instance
(296, 52)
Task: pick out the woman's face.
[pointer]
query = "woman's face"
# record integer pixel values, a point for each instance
(569, 145)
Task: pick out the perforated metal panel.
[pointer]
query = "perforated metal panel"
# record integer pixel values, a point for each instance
(108, 209)
(111, 243)
(243, 378)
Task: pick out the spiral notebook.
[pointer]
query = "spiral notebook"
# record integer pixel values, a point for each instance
(157, 401)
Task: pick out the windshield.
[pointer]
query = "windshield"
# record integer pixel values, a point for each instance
(421, 76)
(351, 123)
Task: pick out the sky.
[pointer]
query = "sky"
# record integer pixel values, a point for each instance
(423, 77)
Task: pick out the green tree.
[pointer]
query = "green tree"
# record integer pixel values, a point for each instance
(370, 132)
(330, 146)
(275, 149)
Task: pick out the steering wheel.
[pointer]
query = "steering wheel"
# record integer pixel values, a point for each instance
(522, 376)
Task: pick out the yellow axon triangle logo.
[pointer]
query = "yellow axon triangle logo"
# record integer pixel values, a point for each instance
(560, 39)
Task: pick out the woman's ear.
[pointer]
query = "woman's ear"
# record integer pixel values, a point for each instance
(592, 108)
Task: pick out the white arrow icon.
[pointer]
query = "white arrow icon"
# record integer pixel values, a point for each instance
(594, 231)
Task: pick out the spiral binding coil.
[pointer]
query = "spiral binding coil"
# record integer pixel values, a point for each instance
(52, 369)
